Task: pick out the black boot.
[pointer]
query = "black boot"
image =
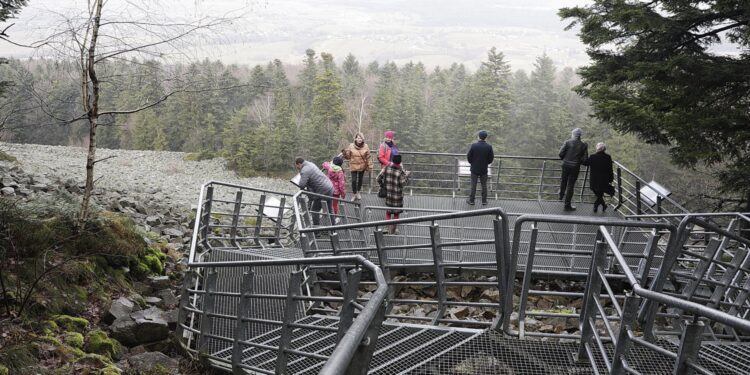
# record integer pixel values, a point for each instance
(568, 207)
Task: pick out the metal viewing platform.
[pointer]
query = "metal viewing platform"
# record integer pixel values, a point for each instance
(518, 286)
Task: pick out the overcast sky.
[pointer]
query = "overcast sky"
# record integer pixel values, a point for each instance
(435, 32)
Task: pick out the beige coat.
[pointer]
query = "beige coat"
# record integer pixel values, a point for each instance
(359, 158)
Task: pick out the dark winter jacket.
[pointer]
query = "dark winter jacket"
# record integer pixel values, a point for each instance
(394, 178)
(600, 171)
(480, 155)
(574, 152)
(313, 179)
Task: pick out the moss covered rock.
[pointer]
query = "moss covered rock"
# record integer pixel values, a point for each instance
(19, 357)
(109, 370)
(99, 343)
(48, 327)
(71, 323)
(73, 339)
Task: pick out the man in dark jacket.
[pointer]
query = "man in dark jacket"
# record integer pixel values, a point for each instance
(313, 180)
(480, 156)
(600, 175)
(573, 153)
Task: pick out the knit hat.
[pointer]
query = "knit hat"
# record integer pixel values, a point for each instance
(389, 134)
(338, 160)
(482, 134)
(577, 133)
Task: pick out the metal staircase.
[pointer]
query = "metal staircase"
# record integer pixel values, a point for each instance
(458, 290)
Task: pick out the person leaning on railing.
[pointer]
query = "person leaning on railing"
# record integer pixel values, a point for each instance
(360, 161)
(394, 178)
(313, 180)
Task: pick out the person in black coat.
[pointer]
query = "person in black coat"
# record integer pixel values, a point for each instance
(573, 153)
(600, 175)
(480, 156)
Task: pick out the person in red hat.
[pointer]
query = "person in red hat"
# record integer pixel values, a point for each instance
(387, 150)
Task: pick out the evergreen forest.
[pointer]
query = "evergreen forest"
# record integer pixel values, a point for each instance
(259, 118)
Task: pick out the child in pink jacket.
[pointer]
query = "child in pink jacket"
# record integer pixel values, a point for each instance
(338, 179)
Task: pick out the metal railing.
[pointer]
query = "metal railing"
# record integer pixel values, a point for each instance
(235, 216)
(630, 200)
(242, 311)
(451, 276)
(610, 329)
(543, 259)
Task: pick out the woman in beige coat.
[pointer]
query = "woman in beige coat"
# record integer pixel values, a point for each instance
(358, 154)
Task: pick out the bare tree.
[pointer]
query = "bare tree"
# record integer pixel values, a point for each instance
(134, 29)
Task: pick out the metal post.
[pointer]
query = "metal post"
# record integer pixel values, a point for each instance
(501, 257)
(279, 220)
(456, 182)
(690, 344)
(593, 288)
(541, 181)
(360, 362)
(629, 313)
(619, 188)
(236, 218)
(259, 218)
(285, 341)
(208, 309)
(205, 220)
(336, 248)
(583, 186)
(437, 256)
(187, 283)
(246, 290)
(638, 198)
(658, 204)
(350, 297)
(384, 264)
(526, 281)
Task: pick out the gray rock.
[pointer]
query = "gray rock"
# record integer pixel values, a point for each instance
(7, 191)
(39, 187)
(159, 282)
(141, 327)
(153, 220)
(126, 202)
(168, 298)
(143, 363)
(24, 192)
(8, 182)
(173, 233)
(153, 300)
(120, 308)
(172, 317)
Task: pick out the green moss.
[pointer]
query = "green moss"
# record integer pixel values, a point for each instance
(109, 370)
(71, 323)
(99, 343)
(198, 156)
(4, 156)
(19, 357)
(94, 360)
(250, 221)
(154, 264)
(73, 339)
(158, 370)
(4, 370)
(48, 327)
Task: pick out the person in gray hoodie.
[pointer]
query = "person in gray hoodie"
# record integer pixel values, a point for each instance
(573, 153)
(313, 180)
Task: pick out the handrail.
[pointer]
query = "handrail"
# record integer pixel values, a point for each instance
(663, 197)
(350, 342)
(199, 209)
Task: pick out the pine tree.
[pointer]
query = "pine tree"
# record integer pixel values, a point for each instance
(327, 111)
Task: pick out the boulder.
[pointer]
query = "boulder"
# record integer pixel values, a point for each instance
(7, 191)
(153, 220)
(148, 362)
(173, 233)
(153, 300)
(8, 182)
(168, 299)
(120, 308)
(141, 327)
(159, 282)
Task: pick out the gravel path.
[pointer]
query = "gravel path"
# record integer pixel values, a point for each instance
(139, 172)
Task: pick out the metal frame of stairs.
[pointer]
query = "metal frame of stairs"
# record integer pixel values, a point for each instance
(267, 292)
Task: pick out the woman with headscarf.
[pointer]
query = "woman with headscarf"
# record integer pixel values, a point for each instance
(360, 161)
(600, 175)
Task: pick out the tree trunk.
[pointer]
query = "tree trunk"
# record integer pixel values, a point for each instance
(92, 106)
